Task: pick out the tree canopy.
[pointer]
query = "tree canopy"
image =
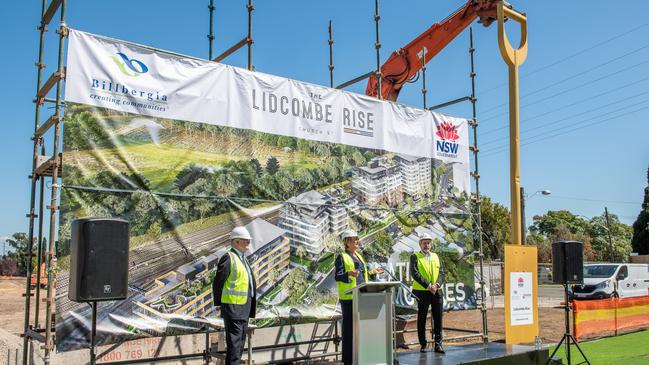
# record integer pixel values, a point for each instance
(640, 240)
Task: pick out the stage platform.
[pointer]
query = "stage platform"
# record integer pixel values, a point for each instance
(493, 353)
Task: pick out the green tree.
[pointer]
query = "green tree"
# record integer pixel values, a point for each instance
(225, 184)
(272, 165)
(300, 252)
(640, 240)
(382, 246)
(494, 219)
(203, 205)
(295, 285)
(619, 248)
(20, 244)
(189, 174)
(258, 169)
(543, 245)
(546, 224)
(333, 243)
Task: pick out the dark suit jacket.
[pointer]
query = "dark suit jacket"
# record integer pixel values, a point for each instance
(233, 311)
(416, 275)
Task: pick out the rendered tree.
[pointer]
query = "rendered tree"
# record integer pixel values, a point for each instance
(258, 169)
(272, 165)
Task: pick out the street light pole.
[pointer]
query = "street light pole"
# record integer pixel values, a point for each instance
(523, 199)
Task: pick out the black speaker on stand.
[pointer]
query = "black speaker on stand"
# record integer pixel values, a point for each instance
(567, 268)
(98, 265)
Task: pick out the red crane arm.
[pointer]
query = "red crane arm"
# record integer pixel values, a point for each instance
(404, 63)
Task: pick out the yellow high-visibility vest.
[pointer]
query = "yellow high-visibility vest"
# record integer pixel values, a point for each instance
(235, 289)
(348, 263)
(429, 270)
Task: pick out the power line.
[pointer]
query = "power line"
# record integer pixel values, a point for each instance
(575, 75)
(497, 150)
(590, 98)
(594, 200)
(577, 87)
(564, 59)
(579, 114)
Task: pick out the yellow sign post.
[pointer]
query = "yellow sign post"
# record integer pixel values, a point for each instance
(521, 307)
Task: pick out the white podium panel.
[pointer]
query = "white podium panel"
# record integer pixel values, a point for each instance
(373, 318)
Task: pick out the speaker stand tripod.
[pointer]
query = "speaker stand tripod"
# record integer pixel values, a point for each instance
(93, 333)
(567, 336)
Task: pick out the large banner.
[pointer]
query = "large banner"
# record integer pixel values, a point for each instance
(187, 149)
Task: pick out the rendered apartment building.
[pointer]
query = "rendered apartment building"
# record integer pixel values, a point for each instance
(378, 182)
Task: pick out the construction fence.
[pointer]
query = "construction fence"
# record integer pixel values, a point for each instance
(609, 317)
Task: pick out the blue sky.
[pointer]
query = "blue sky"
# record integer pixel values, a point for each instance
(584, 87)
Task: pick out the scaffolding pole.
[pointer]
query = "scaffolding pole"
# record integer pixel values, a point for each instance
(250, 8)
(210, 36)
(478, 200)
(331, 55)
(49, 338)
(245, 41)
(32, 201)
(377, 45)
(37, 298)
(423, 75)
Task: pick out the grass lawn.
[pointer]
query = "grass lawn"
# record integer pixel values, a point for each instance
(160, 164)
(630, 349)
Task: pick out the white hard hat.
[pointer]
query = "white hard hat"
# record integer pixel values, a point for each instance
(425, 236)
(349, 233)
(241, 233)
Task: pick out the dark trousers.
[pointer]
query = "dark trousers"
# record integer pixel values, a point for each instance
(348, 331)
(235, 339)
(436, 302)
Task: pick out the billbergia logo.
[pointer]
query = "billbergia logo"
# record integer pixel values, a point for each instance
(129, 66)
(447, 132)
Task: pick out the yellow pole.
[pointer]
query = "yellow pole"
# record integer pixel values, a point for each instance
(513, 58)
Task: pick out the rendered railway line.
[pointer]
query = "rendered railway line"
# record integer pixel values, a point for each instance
(152, 260)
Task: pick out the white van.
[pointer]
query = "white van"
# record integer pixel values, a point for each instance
(605, 280)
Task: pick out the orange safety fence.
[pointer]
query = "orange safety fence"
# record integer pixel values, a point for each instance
(605, 317)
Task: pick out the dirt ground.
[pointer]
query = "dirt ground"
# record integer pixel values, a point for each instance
(12, 318)
(12, 304)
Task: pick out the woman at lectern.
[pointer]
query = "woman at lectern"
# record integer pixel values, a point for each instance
(351, 271)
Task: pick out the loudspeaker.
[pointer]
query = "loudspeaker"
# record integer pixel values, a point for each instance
(98, 260)
(567, 262)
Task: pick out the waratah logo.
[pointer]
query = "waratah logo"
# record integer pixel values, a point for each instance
(447, 132)
(125, 64)
(447, 147)
(521, 282)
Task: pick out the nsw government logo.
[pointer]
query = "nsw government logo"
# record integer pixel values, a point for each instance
(129, 66)
(447, 146)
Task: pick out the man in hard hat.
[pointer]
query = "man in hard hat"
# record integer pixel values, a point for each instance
(351, 270)
(234, 289)
(426, 285)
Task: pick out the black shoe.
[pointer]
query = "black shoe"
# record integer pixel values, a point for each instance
(423, 348)
(439, 349)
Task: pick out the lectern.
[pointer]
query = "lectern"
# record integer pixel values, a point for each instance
(373, 320)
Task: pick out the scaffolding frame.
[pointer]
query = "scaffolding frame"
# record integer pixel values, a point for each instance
(44, 166)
